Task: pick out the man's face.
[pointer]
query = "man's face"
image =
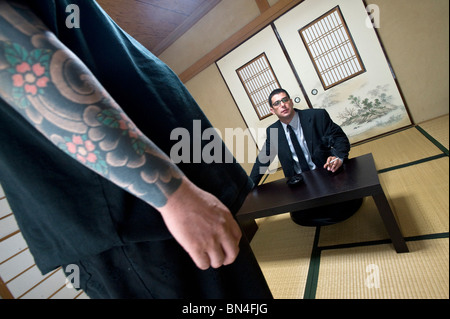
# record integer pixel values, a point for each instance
(283, 107)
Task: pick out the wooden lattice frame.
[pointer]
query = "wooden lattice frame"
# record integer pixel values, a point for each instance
(259, 80)
(331, 49)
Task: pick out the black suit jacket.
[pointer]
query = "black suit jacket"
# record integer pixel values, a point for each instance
(323, 137)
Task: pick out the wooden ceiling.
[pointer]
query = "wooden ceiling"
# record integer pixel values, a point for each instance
(157, 23)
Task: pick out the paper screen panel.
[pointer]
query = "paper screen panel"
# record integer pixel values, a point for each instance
(259, 80)
(331, 48)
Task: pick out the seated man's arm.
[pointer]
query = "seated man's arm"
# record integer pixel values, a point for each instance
(259, 168)
(266, 156)
(55, 92)
(337, 140)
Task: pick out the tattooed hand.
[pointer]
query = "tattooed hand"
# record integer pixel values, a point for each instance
(55, 92)
(211, 239)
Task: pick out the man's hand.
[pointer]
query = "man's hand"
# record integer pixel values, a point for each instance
(70, 107)
(333, 164)
(202, 225)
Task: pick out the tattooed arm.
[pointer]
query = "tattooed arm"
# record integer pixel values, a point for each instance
(54, 91)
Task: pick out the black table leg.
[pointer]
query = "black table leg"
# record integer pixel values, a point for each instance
(390, 222)
(248, 227)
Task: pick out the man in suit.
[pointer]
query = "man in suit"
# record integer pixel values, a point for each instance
(307, 140)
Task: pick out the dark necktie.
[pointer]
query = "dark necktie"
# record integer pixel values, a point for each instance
(298, 150)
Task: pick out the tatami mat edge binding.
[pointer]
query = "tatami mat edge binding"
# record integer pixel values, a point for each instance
(313, 274)
(430, 155)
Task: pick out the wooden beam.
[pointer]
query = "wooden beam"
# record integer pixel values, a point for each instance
(4, 291)
(263, 5)
(239, 37)
(185, 26)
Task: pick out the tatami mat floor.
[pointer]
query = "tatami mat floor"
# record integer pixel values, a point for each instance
(355, 259)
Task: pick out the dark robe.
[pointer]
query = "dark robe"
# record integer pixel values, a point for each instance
(70, 215)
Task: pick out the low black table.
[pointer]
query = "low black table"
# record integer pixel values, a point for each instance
(357, 179)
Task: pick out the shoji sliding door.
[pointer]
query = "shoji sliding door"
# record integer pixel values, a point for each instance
(251, 72)
(342, 66)
(335, 61)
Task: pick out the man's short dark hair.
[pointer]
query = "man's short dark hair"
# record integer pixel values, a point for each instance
(277, 91)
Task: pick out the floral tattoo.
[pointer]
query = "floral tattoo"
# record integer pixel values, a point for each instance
(29, 71)
(57, 94)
